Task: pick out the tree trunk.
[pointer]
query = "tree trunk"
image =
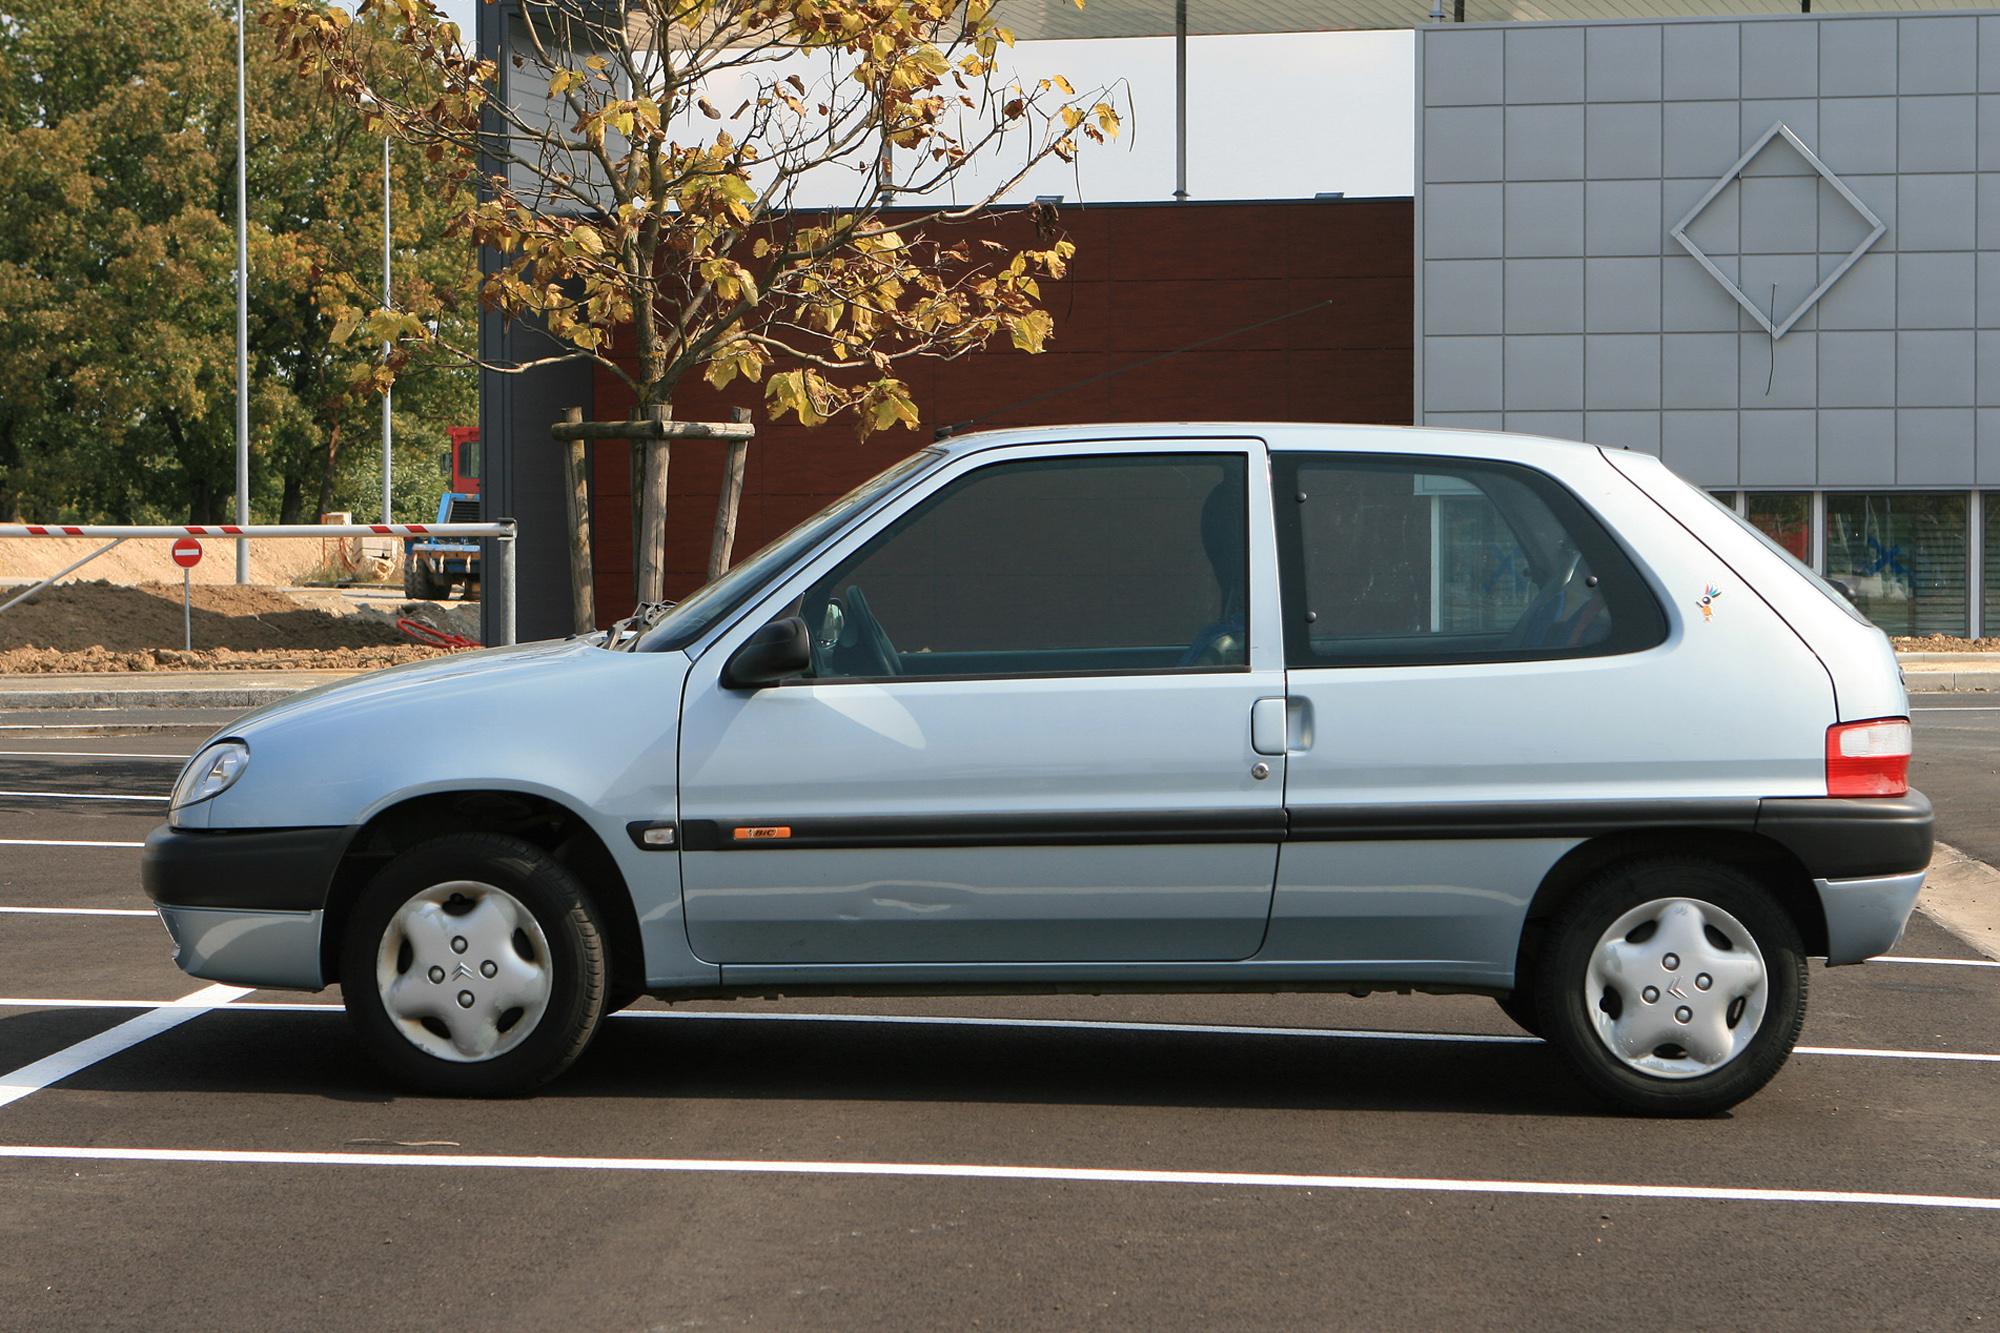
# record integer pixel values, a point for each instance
(576, 500)
(292, 505)
(327, 472)
(649, 556)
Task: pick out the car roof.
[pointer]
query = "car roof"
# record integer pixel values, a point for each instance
(1293, 435)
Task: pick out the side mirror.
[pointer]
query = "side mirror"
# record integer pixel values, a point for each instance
(780, 649)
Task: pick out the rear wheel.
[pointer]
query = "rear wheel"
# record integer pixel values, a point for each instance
(474, 965)
(1673, 987)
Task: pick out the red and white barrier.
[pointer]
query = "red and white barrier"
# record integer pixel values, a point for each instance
(504, 528)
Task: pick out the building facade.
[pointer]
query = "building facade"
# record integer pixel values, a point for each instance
(1765, 249)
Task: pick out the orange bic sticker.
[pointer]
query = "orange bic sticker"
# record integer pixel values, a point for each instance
(769, 831)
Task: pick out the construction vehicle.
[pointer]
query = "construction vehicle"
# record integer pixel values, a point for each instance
(432, 566)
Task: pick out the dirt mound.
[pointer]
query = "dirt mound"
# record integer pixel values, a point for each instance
(141, 559)
(105, 627)
(50, 661)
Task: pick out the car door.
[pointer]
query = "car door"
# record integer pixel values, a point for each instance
(1027, 733)
(1490, 679)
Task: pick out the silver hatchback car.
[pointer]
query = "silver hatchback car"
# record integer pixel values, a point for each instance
(1125, 708)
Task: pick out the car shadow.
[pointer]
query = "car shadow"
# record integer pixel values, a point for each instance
(692, 1057)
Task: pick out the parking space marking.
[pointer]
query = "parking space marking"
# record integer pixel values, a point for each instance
(62, 842)
(32, 1078)
(82, 796)
(1059, 1024)
(85, 754)
(81, 911)
(1938, 962)
(948, 1170)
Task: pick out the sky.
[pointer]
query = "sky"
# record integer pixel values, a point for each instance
(1285, 116)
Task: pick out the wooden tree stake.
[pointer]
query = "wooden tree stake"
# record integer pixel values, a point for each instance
(729, 500)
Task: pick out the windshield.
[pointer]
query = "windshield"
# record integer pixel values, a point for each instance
(1835, 595)
(692, 618)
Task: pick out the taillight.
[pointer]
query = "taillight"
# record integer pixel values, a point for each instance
(1868, 758)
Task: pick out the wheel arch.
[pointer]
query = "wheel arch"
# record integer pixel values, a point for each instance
(1772, 864)
(541, 820)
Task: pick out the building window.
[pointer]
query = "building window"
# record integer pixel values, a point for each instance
(1990, 584)
(1786, 518)
(1902, 557)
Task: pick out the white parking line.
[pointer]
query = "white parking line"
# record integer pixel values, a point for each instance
(969, 1171)
(1062, 1024)
(34, 1077)
(81, 911)
(82, 796)
(1938, 962)
(62, 842)
(85, 754)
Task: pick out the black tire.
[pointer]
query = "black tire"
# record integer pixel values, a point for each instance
(419, 584)
(1519, 1005)
(539, 1000)
(1738, 1033)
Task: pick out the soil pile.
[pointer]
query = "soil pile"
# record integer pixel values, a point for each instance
(107, 627)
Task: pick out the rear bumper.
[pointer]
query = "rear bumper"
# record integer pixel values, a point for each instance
(1865, 917)
(1867, 857)
(244, 907)
(1862, 837)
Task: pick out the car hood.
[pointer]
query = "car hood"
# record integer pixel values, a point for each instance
(570, 720)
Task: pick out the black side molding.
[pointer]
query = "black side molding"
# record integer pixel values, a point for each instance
(269, 870)
(1514, 819)
(1039, 829)
(1841, 837)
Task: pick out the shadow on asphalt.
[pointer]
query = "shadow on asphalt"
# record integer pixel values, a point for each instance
(301, 1055)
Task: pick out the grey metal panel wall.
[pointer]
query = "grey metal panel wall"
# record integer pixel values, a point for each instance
(521, 468)
(1554, 159)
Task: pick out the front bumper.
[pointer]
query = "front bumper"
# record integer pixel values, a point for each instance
(244, 906)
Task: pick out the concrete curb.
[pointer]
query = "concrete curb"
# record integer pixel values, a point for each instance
(1962, 894)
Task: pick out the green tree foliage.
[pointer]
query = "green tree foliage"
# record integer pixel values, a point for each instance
(117, 292)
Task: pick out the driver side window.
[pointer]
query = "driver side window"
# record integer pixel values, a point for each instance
(1061, 566)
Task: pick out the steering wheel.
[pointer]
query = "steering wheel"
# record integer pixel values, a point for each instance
(871, 637)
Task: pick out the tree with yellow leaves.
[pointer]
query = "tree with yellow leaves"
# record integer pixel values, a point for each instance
(656, 235)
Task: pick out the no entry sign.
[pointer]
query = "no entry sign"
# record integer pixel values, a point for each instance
(187, 553)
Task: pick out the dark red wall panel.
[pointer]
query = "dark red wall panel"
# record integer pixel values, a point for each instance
(1147, 279)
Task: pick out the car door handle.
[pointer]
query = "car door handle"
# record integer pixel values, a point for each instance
(1267, 726)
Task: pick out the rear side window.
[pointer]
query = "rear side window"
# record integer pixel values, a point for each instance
(1120, 563)
(1395, 561)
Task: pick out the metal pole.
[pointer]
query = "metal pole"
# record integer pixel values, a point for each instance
(498, 591)
(1180, 100)
(187, 607)
(386, 347)
(242, 315)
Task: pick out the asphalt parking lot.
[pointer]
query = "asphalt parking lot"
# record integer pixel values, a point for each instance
(1115, 1162)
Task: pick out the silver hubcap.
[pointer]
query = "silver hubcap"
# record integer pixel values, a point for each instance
(1677, 988)
(464, 971)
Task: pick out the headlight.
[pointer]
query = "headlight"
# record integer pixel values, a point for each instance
(213, 771)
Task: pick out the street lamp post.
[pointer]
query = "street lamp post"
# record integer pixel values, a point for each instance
(386, 261)
(242, 316)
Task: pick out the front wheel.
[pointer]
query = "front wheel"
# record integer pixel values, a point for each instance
(474, 965)
(1673, 987)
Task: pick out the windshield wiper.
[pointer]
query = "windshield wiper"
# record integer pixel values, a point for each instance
(627, 631)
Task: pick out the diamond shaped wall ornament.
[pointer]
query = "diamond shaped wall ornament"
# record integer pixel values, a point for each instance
(1780, 329)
